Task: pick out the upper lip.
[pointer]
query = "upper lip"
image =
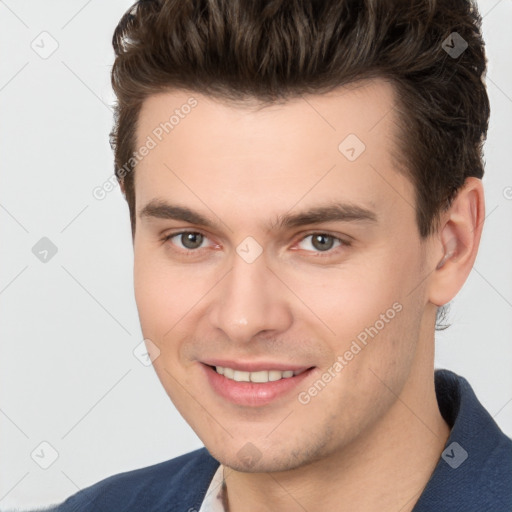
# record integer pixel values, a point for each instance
(254, 366)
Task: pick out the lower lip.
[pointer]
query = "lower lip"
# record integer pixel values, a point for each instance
(252, 393)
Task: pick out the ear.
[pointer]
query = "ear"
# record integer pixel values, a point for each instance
(457, 242)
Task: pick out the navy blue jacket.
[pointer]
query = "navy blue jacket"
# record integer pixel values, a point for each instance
(474, 473)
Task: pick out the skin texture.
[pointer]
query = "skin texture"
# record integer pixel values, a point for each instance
(370, 439)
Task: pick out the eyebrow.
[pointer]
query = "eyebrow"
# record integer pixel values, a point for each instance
(344, 212)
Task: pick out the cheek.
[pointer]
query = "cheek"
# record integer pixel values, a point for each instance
(367, 314)
(163, 301)
(167, 296)
(156, 293)
(147, 288)
(348, 299)
(370, 355)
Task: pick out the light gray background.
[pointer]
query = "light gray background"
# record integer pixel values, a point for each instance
(67, 372)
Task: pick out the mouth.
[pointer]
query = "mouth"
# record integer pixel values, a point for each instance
(260, 376)
(259, 387)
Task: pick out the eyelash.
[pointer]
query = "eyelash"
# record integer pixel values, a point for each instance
(190, 252)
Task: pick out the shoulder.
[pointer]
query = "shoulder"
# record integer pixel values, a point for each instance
(475, 468)
(176, 484)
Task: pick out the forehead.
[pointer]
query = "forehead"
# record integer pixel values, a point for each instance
(354, 108)
(334, 146)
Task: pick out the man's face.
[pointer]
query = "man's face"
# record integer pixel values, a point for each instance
(251, 291)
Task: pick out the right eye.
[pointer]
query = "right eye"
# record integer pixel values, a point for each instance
(189, 241)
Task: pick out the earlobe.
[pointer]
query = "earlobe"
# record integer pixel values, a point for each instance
(458, 241)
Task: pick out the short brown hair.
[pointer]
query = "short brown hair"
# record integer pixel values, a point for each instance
(273, 50)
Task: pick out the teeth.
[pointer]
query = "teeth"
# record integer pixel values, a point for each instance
(275, 375)
(229, 373)
(260, 376)
(241, 376)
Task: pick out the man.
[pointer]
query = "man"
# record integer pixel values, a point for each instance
(304, 186)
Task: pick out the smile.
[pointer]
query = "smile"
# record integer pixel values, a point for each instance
(259, 376)
(254, 388)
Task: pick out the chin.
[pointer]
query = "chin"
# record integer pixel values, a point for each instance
(250, 459)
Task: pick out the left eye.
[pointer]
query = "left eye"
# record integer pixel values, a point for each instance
(320, 242)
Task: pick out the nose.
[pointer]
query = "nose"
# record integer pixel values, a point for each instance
(250, 300)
